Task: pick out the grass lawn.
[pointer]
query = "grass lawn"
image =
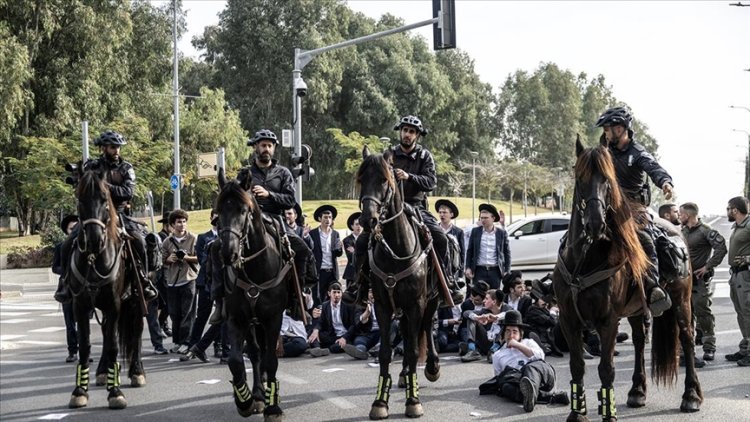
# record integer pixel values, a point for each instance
(199, 220)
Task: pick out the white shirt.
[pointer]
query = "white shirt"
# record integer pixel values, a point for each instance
(292, 328)
(326, 261)
(338, 325)
(487, 249)
(513, 303)
(514, 357)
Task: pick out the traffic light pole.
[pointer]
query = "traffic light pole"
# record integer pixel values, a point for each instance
(303, 57)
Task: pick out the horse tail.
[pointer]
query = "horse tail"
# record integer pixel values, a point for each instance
(130, 327)
(664, 348)
(422, 350)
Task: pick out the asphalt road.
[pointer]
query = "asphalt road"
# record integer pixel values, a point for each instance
(35, 383)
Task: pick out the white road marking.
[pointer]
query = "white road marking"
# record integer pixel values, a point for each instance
(30, 306)
(53, 314)
(291, 379)
(7, 337)
(15, 321)
(8, 314)
(47, 330)
(209, 382)
(333, 370)
(336, 400)
(40, 343)
(53, 416)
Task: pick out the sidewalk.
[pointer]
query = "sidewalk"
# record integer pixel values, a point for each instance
(14, 282)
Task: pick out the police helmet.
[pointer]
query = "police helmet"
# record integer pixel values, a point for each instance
(411, 121)
(110, 138)
(263, 134)
(615, 116)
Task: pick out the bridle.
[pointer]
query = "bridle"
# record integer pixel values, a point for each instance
(583, 204)
(382, 210)
(244, 241)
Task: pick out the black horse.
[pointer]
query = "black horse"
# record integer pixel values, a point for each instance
(257, 277)
(401, 280)
(597, 280)
(99, 277)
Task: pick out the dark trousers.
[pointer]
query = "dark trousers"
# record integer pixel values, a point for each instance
(477, 334)
(447, 341)
(329, 341)
(541, 374)
(325, 278)
(367, 341)
(294, 346)
(152, 319)
(490, 275)
(213, 334)
(205, 304)
(182, 311)
(71, 336)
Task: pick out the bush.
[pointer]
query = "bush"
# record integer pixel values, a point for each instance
(51, 236)
(27, 257)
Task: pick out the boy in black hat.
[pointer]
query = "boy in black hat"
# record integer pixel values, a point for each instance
(524, 358)
(488, 251)
(350, 242)
(327, 247)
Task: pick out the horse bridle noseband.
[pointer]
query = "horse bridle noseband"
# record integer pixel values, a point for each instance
(244, 241)
(607, 206)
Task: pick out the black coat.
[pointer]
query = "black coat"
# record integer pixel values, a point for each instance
(336, 249)
(277, 180)
(524, 304)
(325, 322)
(501, 244)
(350, 272)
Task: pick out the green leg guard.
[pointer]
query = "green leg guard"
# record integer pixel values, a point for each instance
(82, 377)
(113, 376)
(241, 392)
(412, 387)
(272, 393)
(384, 388)
(607, 408)
(577, 398)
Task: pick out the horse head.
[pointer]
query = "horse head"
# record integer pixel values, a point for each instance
(239, 217)
(377, 187)
(594, 174)
(97, 214)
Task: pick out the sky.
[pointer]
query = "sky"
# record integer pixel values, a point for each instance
(679, 65)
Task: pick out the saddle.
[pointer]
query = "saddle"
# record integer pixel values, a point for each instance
(672, 254)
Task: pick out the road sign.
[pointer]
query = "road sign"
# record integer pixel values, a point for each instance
(207, 165)
(174, 181)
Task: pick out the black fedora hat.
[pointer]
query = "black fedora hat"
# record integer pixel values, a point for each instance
(350, 220)
(446, 203)
(479, 288)
(66, 220)
(300, 220)
(513, 319)
(511, 279)
(490, 209)
(164, 218)
(325, 208)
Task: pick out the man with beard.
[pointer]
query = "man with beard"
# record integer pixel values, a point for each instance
(739, 280)
(671, 213)
(272, 186)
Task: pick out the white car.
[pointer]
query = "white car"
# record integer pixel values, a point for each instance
(535, 241)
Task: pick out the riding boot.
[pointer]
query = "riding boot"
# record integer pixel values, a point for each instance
(658, 299)
(138, 244)
(63, 294)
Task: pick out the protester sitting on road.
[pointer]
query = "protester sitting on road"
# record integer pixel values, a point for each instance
(515, 292)
(367, 331)
(447, 336)
(484, 326)
(336, 324)
(521, 373)
(475, 303)
(541, 320)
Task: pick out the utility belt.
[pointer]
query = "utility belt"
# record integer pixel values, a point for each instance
(738, 268)
(641, 196)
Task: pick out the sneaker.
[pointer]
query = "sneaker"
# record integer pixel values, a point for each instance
(472, 356)
(317, 352)
(161, 333)
(659, 302)
(744, 361)
(160, 350)
(559, 397)
(734, 357)
(167, 330)
(375, 351)
(463, 348)
(355, 352)
(528, 390)
(183, 349)
(71, 358)
(197, 353)
(175, 349)
(709, 355)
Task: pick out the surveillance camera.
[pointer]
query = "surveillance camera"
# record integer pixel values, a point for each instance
(300, 87)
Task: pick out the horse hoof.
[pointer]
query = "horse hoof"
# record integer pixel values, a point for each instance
(378, 412)
(401, 381)
(78, 401)
(117, 402)
(414, 410)
(258, 406)
(273, 417)
(137, 380)
(577, 417)
(636, 401)
(690, 406)
(432, 377)
(101, 379)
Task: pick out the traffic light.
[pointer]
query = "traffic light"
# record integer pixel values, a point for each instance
(73, 178)
(301, 164)
(444, 31)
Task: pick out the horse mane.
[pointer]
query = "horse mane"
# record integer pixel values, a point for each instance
(627, 248)
(234, 188)
(89, 184)
(380, 164)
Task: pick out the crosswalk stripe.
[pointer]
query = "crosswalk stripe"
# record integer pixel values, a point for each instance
(47, 330)
(15, 321)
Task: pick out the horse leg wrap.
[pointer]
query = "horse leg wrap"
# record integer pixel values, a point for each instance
(82, 377)
(577, 398)
(412, 387)
(272, 393)
(113, 376)
(606, 398)
(384, 388)
(242, 392)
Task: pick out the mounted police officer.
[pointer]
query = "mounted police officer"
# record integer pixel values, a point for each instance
(120, 178)
(633, 165)
(413, 166)
(273, 189)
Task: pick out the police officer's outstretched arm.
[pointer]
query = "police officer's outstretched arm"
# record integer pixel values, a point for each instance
(655, 171)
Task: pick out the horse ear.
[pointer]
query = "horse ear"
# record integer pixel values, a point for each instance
(579, 145)
(388, 156)
(222, 177)
(365, 152)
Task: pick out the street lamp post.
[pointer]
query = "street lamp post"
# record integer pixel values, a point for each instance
(746, 190)
(474, 156)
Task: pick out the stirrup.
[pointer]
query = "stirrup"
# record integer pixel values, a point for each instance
(659, 302)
